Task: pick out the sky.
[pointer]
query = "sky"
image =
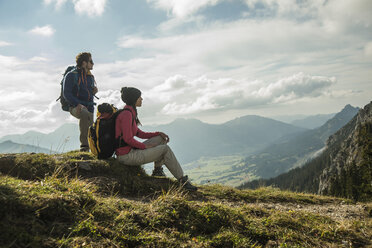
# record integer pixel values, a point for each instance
(213, 60)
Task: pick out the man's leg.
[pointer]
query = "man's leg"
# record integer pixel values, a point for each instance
(85, 121)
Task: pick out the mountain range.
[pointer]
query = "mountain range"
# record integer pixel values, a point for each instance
(343, 169)
(191, 139)
(313, 121)
(65, 138)
(280, 156)
(234, 152)
(11, 147)
(294, 150)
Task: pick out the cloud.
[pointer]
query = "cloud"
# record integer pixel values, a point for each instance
(262, 47)
(368, 49)
(180, 96)
(39, 83)
(340, 15)
(182, 8)
(39, 59)
(46, 31)
(4, 43)
(89, 7)
(28, 92)
(47, 119)
(176, 97)
(287, 8)
(59, 3)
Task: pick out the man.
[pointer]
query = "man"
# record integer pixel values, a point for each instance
(79, 88)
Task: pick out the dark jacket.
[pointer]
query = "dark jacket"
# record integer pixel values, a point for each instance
(78, 88)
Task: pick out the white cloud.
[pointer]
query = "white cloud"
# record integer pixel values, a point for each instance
(16, 96)
(180, 96)
(249, 46)
(39, 83)
(47, 30)
(39, 59)
(4, 43)
(339, 15)
(284, 8)
(182, 8)
(59, 3)
(368, 49)
(89, 7)
(29, 89)
(47, 119)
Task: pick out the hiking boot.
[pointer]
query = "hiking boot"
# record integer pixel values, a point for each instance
(185, 183)
(158, 172)
(84, 148)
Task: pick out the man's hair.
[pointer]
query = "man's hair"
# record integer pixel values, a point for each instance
(84, 56)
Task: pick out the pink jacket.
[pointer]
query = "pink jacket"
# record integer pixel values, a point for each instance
(124, 127)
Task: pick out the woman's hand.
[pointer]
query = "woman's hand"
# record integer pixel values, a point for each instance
(164, 136)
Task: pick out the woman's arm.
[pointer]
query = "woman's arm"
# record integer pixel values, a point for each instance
(146, 135)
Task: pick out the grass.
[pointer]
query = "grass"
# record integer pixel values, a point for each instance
(49, 201)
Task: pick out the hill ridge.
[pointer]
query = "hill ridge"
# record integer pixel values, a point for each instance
(74, 200)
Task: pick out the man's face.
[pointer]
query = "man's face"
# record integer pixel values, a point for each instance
(90, 64)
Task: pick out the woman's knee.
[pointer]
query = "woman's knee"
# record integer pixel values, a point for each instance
(158, 140)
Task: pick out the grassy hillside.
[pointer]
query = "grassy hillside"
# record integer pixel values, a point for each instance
(73, 200)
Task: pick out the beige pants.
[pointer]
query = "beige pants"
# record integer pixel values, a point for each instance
(85, 121)
(160, 154)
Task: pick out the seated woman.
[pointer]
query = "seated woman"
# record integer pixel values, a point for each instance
(154, 149)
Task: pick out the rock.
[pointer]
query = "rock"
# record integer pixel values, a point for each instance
(84, 166)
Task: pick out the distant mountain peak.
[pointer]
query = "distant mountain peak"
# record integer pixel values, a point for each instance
(8, 142)
(349, 108)
(186, 120)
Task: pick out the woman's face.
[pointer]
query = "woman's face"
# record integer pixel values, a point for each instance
(139, 102)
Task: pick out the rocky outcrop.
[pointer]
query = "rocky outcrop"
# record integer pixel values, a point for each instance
(350, 157)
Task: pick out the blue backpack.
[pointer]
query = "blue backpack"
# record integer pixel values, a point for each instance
(64, 103)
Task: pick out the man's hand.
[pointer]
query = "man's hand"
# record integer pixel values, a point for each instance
(79, 108)
(95, 90)
(164, 136)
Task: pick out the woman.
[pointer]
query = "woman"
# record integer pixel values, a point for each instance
(154, 149)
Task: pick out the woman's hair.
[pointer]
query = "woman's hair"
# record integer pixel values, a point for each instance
(130, 95)
(81, 57)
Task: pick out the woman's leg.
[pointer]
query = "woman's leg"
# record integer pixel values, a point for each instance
(157, 140)
(160, 153)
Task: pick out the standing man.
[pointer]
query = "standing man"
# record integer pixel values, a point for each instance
(79, 88)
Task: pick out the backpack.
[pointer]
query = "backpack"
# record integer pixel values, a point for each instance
(101, 135)
(64, 103)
